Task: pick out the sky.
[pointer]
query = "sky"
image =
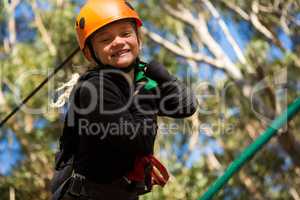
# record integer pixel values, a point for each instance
(10, 152)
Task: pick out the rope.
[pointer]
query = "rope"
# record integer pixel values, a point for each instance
(253, 148)
(59, 67)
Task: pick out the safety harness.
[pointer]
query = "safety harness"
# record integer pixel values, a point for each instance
(147, 171)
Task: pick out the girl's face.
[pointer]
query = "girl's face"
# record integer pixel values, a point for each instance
(116, 44)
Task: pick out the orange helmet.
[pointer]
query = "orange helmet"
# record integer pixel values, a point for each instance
(98, 13)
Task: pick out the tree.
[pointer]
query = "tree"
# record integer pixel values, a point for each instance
(35, 40)
(185, 30)
(227, 50)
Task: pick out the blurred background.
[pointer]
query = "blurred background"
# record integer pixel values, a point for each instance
(240, 57)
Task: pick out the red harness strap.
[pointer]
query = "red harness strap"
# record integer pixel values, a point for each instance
(149, 164)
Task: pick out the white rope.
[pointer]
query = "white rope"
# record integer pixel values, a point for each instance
(67, 87)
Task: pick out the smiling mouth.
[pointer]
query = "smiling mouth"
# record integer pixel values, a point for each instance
(120, 53)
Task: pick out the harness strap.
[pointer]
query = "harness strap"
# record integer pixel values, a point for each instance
(159, 174)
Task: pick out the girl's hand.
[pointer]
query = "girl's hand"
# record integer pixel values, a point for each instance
(158, 72)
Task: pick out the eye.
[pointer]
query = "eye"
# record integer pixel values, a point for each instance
(126, 34)
(105, 40)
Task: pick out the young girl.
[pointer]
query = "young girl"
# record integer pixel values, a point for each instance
(111, 123)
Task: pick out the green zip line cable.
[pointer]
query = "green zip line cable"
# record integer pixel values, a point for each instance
(253, 148)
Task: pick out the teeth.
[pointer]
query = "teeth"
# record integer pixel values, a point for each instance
(120, 52)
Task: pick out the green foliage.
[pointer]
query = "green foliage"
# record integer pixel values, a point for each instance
(271, 172)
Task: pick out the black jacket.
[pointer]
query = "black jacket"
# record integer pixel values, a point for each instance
(107, 143)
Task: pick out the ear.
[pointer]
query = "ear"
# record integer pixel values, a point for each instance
(87, 54)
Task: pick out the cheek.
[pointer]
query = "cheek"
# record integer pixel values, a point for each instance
(102, 52)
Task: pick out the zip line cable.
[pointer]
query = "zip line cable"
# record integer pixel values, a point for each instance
(59, 67)
(252, 149)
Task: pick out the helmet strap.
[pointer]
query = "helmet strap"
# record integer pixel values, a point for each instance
(93, 54)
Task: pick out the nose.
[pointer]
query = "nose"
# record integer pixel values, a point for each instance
(117, 41)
